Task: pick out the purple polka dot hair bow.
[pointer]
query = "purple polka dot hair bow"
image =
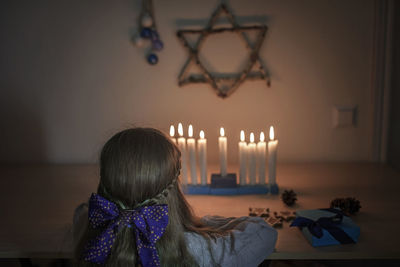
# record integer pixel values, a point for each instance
(149, 223)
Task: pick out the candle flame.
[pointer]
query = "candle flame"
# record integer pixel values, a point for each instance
(202, 134)
(190, 130)
(271, 133)
(262, 137)
(222, 131)
(172, 131)
(252, 137)
(242, 136)
(180, 129)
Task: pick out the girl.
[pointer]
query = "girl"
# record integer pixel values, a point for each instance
(139, 216)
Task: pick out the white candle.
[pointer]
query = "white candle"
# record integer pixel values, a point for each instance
(261, 158)
(252, 156)
(191, 146)
(202, 150)
(242, 159)
(272, 152)
(172, 133)
(182, 148)
(222, 143)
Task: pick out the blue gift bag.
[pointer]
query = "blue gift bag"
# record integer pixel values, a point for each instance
(326, 227)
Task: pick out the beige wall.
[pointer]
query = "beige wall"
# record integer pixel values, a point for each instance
(70, 77)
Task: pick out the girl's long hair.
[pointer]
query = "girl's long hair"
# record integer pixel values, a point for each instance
(140, 166)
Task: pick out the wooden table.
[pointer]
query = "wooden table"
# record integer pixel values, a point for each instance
(37, 204)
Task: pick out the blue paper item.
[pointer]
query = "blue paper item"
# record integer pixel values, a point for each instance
(349, 228)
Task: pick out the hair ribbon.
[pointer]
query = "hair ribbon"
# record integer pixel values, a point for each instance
(149, 223)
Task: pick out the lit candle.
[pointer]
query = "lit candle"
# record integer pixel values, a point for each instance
(252, 156)
(182, 148)
(191, 146)
(261, 158)
(272, 152)
(202, 150)
(242, 159)
(172, 133)
(222, 143)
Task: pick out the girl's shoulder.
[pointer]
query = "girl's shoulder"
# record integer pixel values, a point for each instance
(251, 240)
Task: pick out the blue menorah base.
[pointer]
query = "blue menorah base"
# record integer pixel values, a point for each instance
(197, 189)
(225, 182)
(227, 186)
(274, 188)
(228, 191)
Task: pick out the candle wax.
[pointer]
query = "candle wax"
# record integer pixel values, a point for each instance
(222, 142)
(252, 159)
(272, 155)
(202, 150)
(191, 147)
(242, 163)
(184, 169)
(261, 161)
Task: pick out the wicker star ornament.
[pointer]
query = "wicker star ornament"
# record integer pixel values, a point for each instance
(223, 85)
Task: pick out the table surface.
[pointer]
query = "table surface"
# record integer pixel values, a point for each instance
(37, 204)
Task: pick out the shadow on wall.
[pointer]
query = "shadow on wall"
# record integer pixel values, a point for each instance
(22, 137)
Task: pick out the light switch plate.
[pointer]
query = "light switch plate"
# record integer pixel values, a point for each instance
(344, 116)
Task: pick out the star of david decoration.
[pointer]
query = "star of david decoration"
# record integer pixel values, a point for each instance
(223, 85)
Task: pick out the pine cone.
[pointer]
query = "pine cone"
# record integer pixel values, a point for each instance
(349, 205)
(289, 197)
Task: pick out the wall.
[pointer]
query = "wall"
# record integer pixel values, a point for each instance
(394, 127)
(70, 78)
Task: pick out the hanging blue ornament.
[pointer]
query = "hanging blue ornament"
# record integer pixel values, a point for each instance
(147, 20)
(146, 33)
(154, 35)
(138, 41)
(157, 45)
(152, 59)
